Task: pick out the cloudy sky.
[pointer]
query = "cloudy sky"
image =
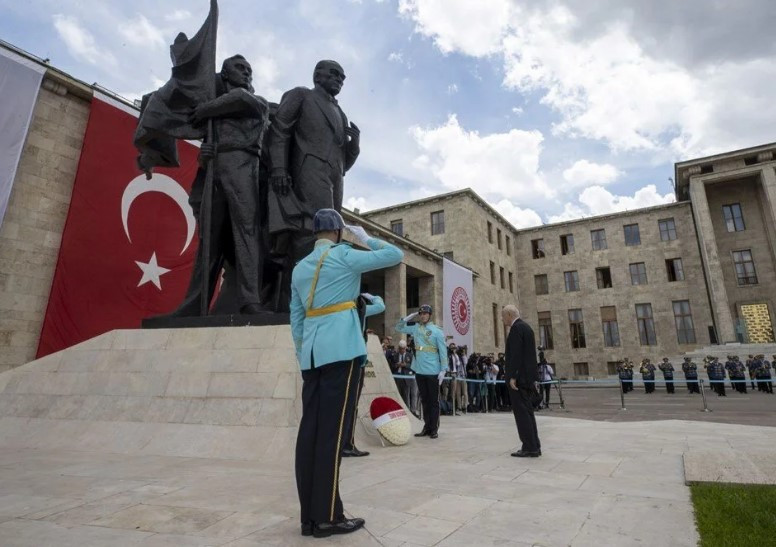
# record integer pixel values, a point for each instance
(550, 110)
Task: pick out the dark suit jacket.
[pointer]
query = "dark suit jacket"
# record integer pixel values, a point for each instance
(308, 124)
(521, 355)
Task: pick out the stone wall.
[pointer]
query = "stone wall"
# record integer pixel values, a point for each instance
(31, 232)
(622, 294)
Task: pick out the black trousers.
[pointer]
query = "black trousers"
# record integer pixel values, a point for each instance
(649, 385)
(669, 383)
(546, 389)
(692, 384)
(350, 442)
(525, 420)
(428, 389)
(328, 402)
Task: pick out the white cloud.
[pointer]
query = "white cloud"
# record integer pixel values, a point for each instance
(500, 164)
(354, 203)
(516, 110)
(141, 32)
(584, 172)
(396, 57)
(604, 83)
(178, 15)
(80, 42)
(520, 218)
(452, 89)
(597, 200)
(485, 23)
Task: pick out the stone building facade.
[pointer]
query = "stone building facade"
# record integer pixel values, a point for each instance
(464, 228)
(622, 285)
(31, 231)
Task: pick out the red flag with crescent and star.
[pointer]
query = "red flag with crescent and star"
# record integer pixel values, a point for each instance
(129, 243)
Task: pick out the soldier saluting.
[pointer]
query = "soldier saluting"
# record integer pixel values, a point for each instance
(330, 347)
(429, 365)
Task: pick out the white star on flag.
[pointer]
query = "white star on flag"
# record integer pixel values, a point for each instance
(151, 272)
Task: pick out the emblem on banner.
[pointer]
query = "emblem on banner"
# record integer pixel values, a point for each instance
(460, 309)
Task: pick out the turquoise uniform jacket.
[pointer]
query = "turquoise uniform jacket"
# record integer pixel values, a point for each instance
(334, 336)
(428, 338)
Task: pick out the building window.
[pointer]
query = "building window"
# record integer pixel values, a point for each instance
(567, 244)
(603, 277)
(492, 273)
(632, 235)
(581, 370)
(667, 229)
(490, 232)
(448, 255)
(609, 324)
(437, 223)
(685, 330)
(745, 272)
(577, 329)
(501, 277)
(674, 269)
(572, 280)
(542, 286)
(734, 218)
(646, 325)
(397, 227)
(498, 238)
(611, 367)
(545, 329)
(537, 248)
(511, 283)
(495, 324)
(638, 272)
(598, 238)
(509, 246)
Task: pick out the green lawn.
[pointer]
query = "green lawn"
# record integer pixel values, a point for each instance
(735, 514)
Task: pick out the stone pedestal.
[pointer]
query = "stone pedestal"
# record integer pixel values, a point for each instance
(230, 392)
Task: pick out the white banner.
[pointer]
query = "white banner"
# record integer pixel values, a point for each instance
(19, 84)
(458, 304)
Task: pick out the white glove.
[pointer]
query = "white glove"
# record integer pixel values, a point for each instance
(441, 377)
(410, 317)
(358, 233)
(368, 296)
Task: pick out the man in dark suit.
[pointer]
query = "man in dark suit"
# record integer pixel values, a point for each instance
(522, 375)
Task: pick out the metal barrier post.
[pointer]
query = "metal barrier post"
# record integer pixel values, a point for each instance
(703, 395)
(487, 396)
(560, 394)
(622, 396)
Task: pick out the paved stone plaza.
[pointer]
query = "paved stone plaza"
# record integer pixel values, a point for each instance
(598, 483)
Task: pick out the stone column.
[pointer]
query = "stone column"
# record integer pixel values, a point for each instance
(723, 319)
(426, 295)
(768, 182)
(395, 298)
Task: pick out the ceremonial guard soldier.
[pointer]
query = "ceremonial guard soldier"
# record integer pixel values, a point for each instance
(647, 371)
(763, 374)
(668, 374)
(730, 367)
(716, 373)
(740, 374)
(429, 365)
(329, 341)
(690, 370)
(625, 373)
(750, 368)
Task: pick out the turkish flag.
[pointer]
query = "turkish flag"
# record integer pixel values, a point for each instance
(128, 245)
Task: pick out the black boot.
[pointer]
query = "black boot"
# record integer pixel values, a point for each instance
(423, 433)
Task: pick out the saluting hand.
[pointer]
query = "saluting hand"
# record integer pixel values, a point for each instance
(513, 383)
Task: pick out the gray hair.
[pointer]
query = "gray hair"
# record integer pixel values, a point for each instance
(511, 310)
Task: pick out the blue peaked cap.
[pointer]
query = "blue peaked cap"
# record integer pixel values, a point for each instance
(327, 219)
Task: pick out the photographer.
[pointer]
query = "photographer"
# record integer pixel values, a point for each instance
(473, 372)
(546, 374)
(490, 373)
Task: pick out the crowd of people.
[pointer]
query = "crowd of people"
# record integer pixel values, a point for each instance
(472, 382)
(758, 367)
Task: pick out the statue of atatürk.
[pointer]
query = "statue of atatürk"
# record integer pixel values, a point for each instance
(311, 146)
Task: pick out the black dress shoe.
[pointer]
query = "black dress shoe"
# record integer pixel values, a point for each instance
(354, 453)
(433, 434)
(527, 454)
(307, 528)
(423, 433)
(344, 526)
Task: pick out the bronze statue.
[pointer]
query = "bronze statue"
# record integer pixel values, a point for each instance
(311, 147)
